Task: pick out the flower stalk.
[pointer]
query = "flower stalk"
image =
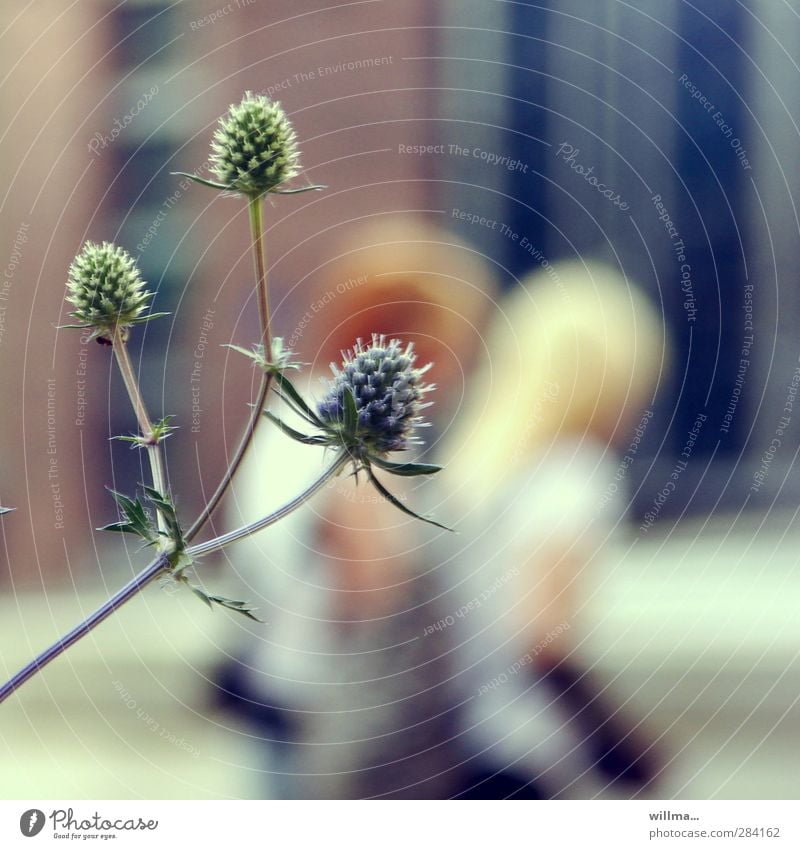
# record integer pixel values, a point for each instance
(161, 566)
(254, 152)
(256, 214)
(132, 588)
(336, 466)
(153, 444)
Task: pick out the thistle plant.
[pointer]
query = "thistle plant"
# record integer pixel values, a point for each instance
(371, 409)
(253, 152)
(109, 297)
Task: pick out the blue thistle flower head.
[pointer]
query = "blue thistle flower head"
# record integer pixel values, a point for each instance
(388, 390)
(372, 407)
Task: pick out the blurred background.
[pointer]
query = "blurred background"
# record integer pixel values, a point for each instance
(466, 145)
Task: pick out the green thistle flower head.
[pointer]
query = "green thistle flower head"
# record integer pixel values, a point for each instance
(107, 291)
(254, 147)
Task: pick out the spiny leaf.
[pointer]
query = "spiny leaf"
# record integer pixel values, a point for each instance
(210, 183)
(295, 409)
(295, 434)
(163, 502)
(243, 607)
(201, 595)
(399, 504)
(136, 519)
(137, 441)
(291, 393)
(180, 561)
(7, 510)
(297, 191)
(132, 508)
(349, 412)
(166, 507)
(162, 429)
(145, 318)
(281, 357)
(405, 469)
(256, 355)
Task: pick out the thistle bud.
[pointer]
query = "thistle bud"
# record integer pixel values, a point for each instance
(106, 290)
(388, 391)
(254, 147)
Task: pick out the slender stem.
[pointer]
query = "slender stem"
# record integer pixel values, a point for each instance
(236, 460)
(60, 646)
(256, 210)
(154, 569)
(120, 349)
(215, 544)
(255, 206)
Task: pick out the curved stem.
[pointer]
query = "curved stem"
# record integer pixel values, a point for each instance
(255, 208)
(236, 460)
(60, 646)
(120, 349)
(219, 542)
(161, 563)
(154, 569)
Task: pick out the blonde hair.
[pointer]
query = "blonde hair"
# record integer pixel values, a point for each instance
(577, 349)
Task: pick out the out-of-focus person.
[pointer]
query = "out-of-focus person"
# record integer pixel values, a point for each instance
(346, 696)
(575, 356)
